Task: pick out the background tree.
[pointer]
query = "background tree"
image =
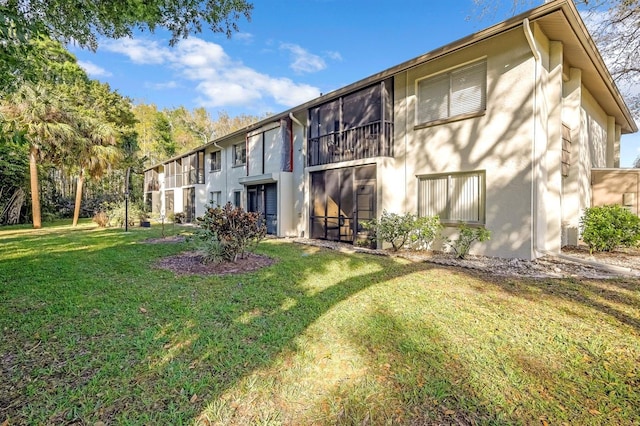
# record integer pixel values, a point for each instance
(36, 116)
(13, 177)
(84, 22)
(96, 121)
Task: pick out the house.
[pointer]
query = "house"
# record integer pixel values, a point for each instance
(500, 129)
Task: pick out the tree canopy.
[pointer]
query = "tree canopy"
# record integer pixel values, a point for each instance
(84, 22)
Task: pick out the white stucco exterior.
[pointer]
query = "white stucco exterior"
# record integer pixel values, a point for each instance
(550, 115)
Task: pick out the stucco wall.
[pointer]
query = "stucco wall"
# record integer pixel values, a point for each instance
(617, 186)
(498, 142)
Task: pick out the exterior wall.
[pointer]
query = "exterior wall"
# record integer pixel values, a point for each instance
(216, 180)
(571, 117)
(617, 186)
(534, 100)
(498, 142)
(299, 197)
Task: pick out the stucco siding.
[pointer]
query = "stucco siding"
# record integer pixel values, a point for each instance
(498, 142)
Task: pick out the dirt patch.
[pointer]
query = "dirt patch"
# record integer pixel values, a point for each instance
(172, 239)
(191, 263)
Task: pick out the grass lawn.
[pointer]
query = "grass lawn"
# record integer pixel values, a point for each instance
(93, 333)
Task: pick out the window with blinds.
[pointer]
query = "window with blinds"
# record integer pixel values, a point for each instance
(455, 93)
(455, 197)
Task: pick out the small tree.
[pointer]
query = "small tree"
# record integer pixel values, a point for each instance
(425, 230)
(229, 232)
(394, 228)
(605, 228)
(466, 237)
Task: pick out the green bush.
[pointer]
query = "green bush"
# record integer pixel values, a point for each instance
(115, 213)
(605, 228)
(179, 217)
(407, 229)
(425, 230)
(466, 237)
(395, 228)
(229, 232)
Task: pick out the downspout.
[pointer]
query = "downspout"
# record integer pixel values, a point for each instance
(534, 161)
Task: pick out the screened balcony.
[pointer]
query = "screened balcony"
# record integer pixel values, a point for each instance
(188, 170)
(355, 126)
(371, 140)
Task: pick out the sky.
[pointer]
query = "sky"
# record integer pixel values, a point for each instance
(290, 51)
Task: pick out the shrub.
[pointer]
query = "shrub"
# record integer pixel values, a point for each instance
(466, 237)
(605, 228)
(416, 232)
(425, 230)
(115, 212)
(229, 232)
(179, 217)
(394, 228)
(101, 219)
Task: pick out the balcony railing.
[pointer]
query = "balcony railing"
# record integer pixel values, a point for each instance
(189, 177)
(152, 185)
(372, 140)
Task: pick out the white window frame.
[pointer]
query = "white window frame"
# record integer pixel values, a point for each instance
(216, 166)
(453, 104)
(242, 160)
(237, 198)
(464, 193)
(215, 198)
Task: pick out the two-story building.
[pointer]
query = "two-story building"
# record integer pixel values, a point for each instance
(500, 129)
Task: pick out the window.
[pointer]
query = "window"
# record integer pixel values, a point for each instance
(455, 93)
(216, 164)
(237, 198)
(239, 154)
(454, 197)
(215, 197)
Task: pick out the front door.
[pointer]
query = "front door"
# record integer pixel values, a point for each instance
(263, 199)
(365, 208)
(189, 200)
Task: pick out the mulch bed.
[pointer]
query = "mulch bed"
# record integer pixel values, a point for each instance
(191, 263)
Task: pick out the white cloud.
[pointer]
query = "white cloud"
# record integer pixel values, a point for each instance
(336, 56)
(244, 37)
(139, 51)
(303, 61)
(220, 80)
(162, 86)
(94, 70)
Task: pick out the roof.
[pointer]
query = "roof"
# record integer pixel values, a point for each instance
(558, 19)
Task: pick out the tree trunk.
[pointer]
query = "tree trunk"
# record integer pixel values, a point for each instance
(35, 190)
(76, 210)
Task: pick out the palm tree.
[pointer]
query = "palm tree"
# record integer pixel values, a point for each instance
(35, 114)
(94, 153)
(101, 118)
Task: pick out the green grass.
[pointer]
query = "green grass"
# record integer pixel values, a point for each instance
(92, 332)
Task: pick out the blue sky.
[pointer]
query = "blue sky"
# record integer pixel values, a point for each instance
(291, 51)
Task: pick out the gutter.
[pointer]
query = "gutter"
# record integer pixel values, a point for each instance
(534, 161)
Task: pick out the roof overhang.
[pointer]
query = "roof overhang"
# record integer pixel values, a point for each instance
(560, 21)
